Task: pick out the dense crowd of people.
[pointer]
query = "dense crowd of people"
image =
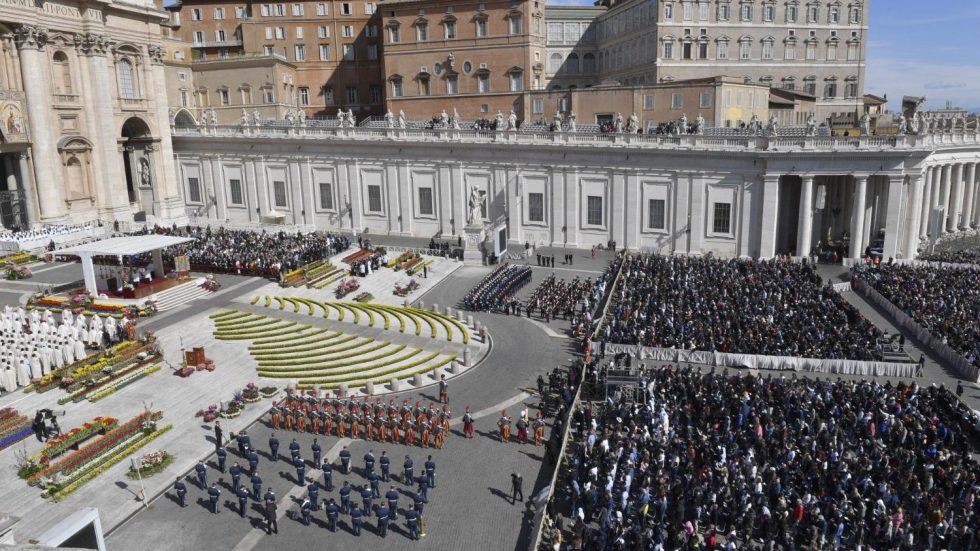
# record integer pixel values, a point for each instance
(709, 461)
(251, 253)
(955, 257)
(945, 301)
(496, 291)
(773, 308)
(556, 297)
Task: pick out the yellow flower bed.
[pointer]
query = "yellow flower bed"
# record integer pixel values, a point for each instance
(356, 359)
(364, 347)
(303, 352)
(298, 339)
(373, 371)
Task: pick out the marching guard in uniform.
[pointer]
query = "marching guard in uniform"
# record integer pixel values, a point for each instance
(538, 424)
(504, 424)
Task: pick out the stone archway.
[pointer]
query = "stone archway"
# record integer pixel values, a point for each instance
(138, 163)
(183, 119)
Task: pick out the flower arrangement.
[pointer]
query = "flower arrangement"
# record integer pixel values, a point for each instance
(152, 463)
(251, 393)
(364, 297)
(14, 273)
(233, 410)
(347, 287)
(57, 445)
(209, 414)
(13, 427)
(268, 391)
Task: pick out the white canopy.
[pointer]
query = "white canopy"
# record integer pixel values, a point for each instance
(120, 246)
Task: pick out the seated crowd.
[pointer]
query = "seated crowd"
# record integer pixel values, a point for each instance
(955, 257)
(251, 253)
(560, 298)
(745, 462)
(772, 308)
(495, 292)
(945, 301)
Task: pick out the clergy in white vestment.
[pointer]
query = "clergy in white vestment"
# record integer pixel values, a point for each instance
(24, 372)
(45, 360)
(67, 352)
(79, 350)
(57, 360)
(36, 371)
(8, 379)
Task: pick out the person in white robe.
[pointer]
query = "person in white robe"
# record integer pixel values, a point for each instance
(24, 372)
(67, 352)
(36, 370)
(79, 350)
(8, 379)
(45, 360)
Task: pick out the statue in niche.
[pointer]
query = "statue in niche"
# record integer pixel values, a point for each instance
(476, 207)
(145, 172)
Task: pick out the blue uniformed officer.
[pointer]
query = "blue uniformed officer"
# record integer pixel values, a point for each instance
(392, 497)
(300, 466)
(305, 511)
(413, 524)
(181, 490)
(313, 490)
(369, 462)
(242, 500)
(222, 457)
(244, 443)
(274, 448)
(385, 463)
(430, 471)
(236, 474)
(367, 496)
(293, 450)
(316, 452)
(332, 514)
(424, 488)
(269, 496)
(374, 479)
(409, 477)
(419, 503)
(382, 521)
(256, 486)
(345, 498)
(253, 462)
(202, 475)
(213, 494)
(355, 521)
(345, 460)
(328, 476)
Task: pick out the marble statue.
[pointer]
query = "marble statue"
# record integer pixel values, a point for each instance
(683, 125)
(455, 119)
(401, 120)
(443, 119)
(865, 125)
(572, 122)
(301, 116)
(976, 124)
(289, 117)
(341, 117)
(512, 121)
(618, 123)
(203, 116)
(557, 123)
(256, 117)
(499, 120)
(916, 124)
(700, 125)
(959, 122)
(773, 126)
(214, 117)
(754, 124)
(244, 117)
(349, 119)
(450, 60)
(476, 207)
(633, 124)
(173, 118)
(811, 125)
(145, 172)
(389, 119)
(902, 124)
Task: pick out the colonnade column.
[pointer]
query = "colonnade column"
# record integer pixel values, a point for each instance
(770, 212)
(970, 195)
(915, 209)
(805, 226)
(926, 202)
(857, 216)
(944, 193)
(893, 208)
(955, 198)
(30, 196)
(31, 40)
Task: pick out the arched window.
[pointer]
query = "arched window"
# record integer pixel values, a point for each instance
(127, 80)
(554, 63)
(588, 63)
(62, 73)
(573, 64)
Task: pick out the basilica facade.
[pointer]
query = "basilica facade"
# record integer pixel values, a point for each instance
(83, 114)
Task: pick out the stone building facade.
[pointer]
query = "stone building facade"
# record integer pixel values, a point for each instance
(84, 109)
(747, 195)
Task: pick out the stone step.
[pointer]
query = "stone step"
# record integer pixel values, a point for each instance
(182, 294)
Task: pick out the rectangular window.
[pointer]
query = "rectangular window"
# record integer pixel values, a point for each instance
(268, 49)
(348, 52)
(265, 10)
(791, 14)
(323, 31)
(396, 89)
(593, 215)
(219, 13)
(450, 30)
(481, 28)
(516, 82)
(705, 100)
(281, 33)
(537, 106)
(372, 51)
(676, 100)
(425, 201)
(811, 52)
(347, 8)
(241, 12)
(830, 90)
(324, 52)
(198, 37)
(723, 50)
(422, 32)
(304, 96)
(235, 191)
(297, 9)
(328, 95)
(299, 32)
(352, 96)
(515, 24)
(223, 95)
(483, 83)
(688, 11)
(374, 199)
(535, 207)
(394, 35)
(668, 50)
(648, 101)
(746, 12)
(196, 14)
(370, 8)
(745, 50)
(852, 52)
(767, 50)
(832, 52)
(268, 96)
(371, 31)
(703, 8)
(280, 10)
(194, 190)
(321, 9)
(452, 84)
(722, 220)
(668, 11)
(790, 51)
(347, 31)
(300, 52)
(657, 215)
(768, 12)
(375, 91)
(279, 193)
(326, 196)
(724, 11)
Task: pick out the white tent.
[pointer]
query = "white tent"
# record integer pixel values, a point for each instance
(121, 246)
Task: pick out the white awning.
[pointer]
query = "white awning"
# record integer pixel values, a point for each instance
(128, 245)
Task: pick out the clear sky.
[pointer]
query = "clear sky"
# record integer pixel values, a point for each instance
(918, 48)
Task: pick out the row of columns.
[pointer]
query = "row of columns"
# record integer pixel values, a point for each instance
(954, 188)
